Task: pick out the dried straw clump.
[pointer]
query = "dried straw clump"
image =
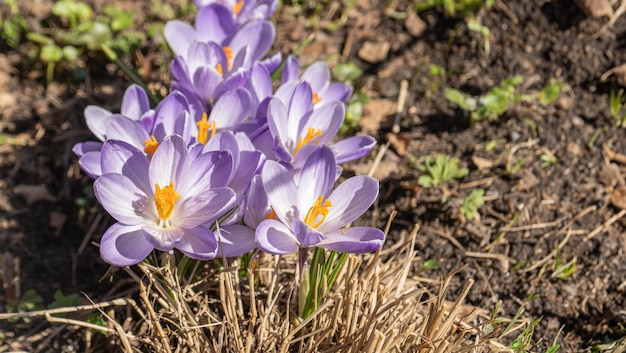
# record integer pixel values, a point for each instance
(374, 307)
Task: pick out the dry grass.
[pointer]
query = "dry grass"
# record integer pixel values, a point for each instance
(375, 306)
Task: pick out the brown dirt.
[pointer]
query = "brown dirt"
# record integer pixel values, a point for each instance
(527, 213)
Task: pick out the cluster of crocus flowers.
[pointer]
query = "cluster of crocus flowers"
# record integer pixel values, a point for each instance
(224, 163)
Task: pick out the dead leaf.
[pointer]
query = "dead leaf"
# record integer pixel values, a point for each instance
(610, 176)
(399, 142)
(33, 193)
(595, 8)
(618, 197)
(527, 182)
(482, 163)
(375, 113)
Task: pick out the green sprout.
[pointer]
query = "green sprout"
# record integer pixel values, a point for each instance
(453, 7)
(439, 170)
(29, 301)
(548, 160)
(550, 92)
(64, 301)
(349, 74)
(321, 276)
(616, 104)
(469, 206)
(475, 26)
(563, 270)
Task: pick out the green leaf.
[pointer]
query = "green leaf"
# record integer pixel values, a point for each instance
(51, 53)
(461, 99)
(70, 53)
(347, 72)
(550, 92)
(471, 203)
(39, 38)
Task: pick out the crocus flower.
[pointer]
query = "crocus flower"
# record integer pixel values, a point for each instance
(296, 128)
(161, 204)
(244, 11)
(317, 75)
(135, 106)
(310, 214)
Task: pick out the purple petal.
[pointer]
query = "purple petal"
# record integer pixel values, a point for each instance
(179, 36)
(161, 238)
(214, 23)
(135, 102)
(90, 164)
(96, 119)
(122, 199)
(317, 177)
(235, 240)
(307, 237)
(120, 157)
(123, 245)
(280, 189)
(272, 62)
(237, 79)
(169, 116)
(231, 109)
(198, 243)
(81, 148)
(300, 109)
(327, 118)
(275, 238)
(258, 35)
(354, 240)
(124, 129)
(170, 163)
(181, 73)
(352, 148)
(336, 91)
(206, 80)
(350, 200)
(291, 70)
(203, 208)
(257, 205)
(210, 169)
(317, 75)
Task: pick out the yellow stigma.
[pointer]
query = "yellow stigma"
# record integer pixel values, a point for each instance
(204, 126)
(316, 98)
(151, 145)
(319, 208)
(229, 61)
(311, 135)
(238, 7)
(165, 199)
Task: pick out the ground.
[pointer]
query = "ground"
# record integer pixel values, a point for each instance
(551, 174)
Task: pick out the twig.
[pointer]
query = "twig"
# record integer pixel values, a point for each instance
(604, 226)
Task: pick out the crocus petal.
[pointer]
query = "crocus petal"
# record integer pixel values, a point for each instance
(317, 75)
(336, 91)
(123, 245)
(205, 80)
(90, 164)
(300, 108)
(122, 198)
(120, 157)
(235, 240)
(280, 189)
(291, 70)
(161, 238)
(272, 62)
(258, 35)
(179, 36)
(275, 238)
(181, 74)
(354, 240)
(135, 102)
(96, 119)
(317, 177)
(214, 23)
(169, 117)
(327, 118)
(198, 243)
(306, 236)
(124, 129)
(81, 148)
(170, 163)
(257, 205)
(350, 200)
(232, 109)
(203, 208)
(235, 80)
(352, 148)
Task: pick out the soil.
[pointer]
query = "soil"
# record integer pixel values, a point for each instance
(538, 216)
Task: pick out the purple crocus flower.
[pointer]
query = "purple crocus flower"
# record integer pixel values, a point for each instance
(310, 214)
(161, 204)
(318, 77)
(296, 128)
(135, 105)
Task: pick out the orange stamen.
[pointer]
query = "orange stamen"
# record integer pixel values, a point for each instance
(151, 145)
(229, 61)
(238, 7)
(316, 98)
(320, 207)
(204, 126)
(271, 214)
(165, 199)
(311, 135)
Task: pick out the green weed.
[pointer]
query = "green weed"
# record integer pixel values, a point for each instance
(440, 169)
